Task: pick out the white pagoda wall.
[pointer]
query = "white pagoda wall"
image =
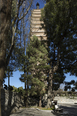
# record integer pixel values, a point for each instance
(36, 25)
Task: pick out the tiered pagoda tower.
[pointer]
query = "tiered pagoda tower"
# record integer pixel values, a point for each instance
(36, 24)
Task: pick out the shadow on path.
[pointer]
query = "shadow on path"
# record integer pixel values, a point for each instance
(68, 110)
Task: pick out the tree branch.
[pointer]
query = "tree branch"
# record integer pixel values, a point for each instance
(13, 38)
(26, 11)
(14, 29)
(11, 48)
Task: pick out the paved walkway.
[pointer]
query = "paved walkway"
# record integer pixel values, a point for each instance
(68, 109)
(32, 112)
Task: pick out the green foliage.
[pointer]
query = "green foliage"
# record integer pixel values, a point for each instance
(11, 64)
(76, 85)
(68, 85)
(10, 88)
(58, 78)
(38, 59)
(35, 68)
(14, 9)
(61, 27)
(14, 89)
(19, 90)
(60, 23)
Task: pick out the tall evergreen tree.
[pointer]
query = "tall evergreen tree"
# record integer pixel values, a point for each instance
(25, 77)
(60, 21)
(36, 68)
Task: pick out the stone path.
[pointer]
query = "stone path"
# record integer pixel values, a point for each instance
(69, 110)
(31, 112)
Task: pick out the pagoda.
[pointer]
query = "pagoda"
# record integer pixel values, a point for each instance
(36, 24)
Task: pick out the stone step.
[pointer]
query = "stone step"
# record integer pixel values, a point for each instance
(37, 15)
(36, 26)
(38, 33)
(36, 10)
(35, 19)
(39, 23)
(37, 30)
(36, 22)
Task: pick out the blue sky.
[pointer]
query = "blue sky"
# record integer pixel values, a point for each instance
(14, 81)
(41, 3)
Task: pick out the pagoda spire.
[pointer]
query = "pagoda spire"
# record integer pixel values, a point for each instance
(37, 5)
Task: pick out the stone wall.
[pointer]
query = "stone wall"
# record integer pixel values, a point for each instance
(10, 102)
(66, 100)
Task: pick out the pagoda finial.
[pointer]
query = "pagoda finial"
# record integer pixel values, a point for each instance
(37, 5)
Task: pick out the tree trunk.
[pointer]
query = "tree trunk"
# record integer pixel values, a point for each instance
(2, 45)
(8, 79)
(2, 70)
(26, 94)
(5, 18)
(26, 101)
(0, 98)
(49, 98)
(40, 101)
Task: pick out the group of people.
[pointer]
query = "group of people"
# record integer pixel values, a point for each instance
(56, 107)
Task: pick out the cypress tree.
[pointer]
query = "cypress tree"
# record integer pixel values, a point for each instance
(36, 69)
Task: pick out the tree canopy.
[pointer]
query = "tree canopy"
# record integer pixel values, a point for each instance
(60, 23)
(36, 67)
(61, 29)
